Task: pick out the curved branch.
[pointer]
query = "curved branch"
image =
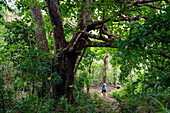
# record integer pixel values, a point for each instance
(79, 61)
(90, 43)
(149, 5)
(141, 3)
(152, 6)
(82, 26)
(97, 37)
(97, 24)
(108, 34)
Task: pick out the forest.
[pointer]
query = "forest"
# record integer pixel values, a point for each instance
(56, 56)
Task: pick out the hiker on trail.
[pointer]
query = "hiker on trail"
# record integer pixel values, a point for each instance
(104, 89)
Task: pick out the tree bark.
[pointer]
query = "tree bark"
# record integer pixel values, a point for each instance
(57, 24)
(114, 77)
(89, 70)
(66, 63)
(67, 59)
(41, 40)
(40, 33)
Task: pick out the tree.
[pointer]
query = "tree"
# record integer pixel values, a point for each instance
(105, 60)
(109, 19)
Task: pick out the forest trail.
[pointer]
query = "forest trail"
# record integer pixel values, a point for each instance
(97, 89)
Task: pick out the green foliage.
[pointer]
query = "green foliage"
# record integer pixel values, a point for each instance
(145, 45)
(19, 33)
(26, 74)
(144, 69)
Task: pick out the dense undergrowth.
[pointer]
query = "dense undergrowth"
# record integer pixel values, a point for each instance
(24, 102)
(144, 101)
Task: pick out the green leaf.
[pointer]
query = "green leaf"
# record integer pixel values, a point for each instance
(133, 39)
(142, 40)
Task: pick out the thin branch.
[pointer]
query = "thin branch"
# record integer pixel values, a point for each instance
(145, 17)
(73, 25)
(152, 6)
(143, 1)
(128, 19)
(130, 3)
(96, 24)
(100, 44)
(79, 61)
(164, 55)
(44, 8)
(157, 7)
(149, 5)
(108, 34)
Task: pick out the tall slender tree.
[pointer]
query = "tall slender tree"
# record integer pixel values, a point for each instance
(105, 60)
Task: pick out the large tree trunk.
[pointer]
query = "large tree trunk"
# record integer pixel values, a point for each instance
(66, 63)
(69, 51)
(67, 54)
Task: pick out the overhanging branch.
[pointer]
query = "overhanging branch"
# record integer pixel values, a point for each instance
(97, 24)
(108, 34)
(97, 37)
(143, 2)
(149, 5)
(100, 44)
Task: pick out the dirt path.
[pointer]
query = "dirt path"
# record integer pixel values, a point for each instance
(97, 89)
(107, 100)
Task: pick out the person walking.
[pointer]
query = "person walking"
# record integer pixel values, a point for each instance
(104, 89)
